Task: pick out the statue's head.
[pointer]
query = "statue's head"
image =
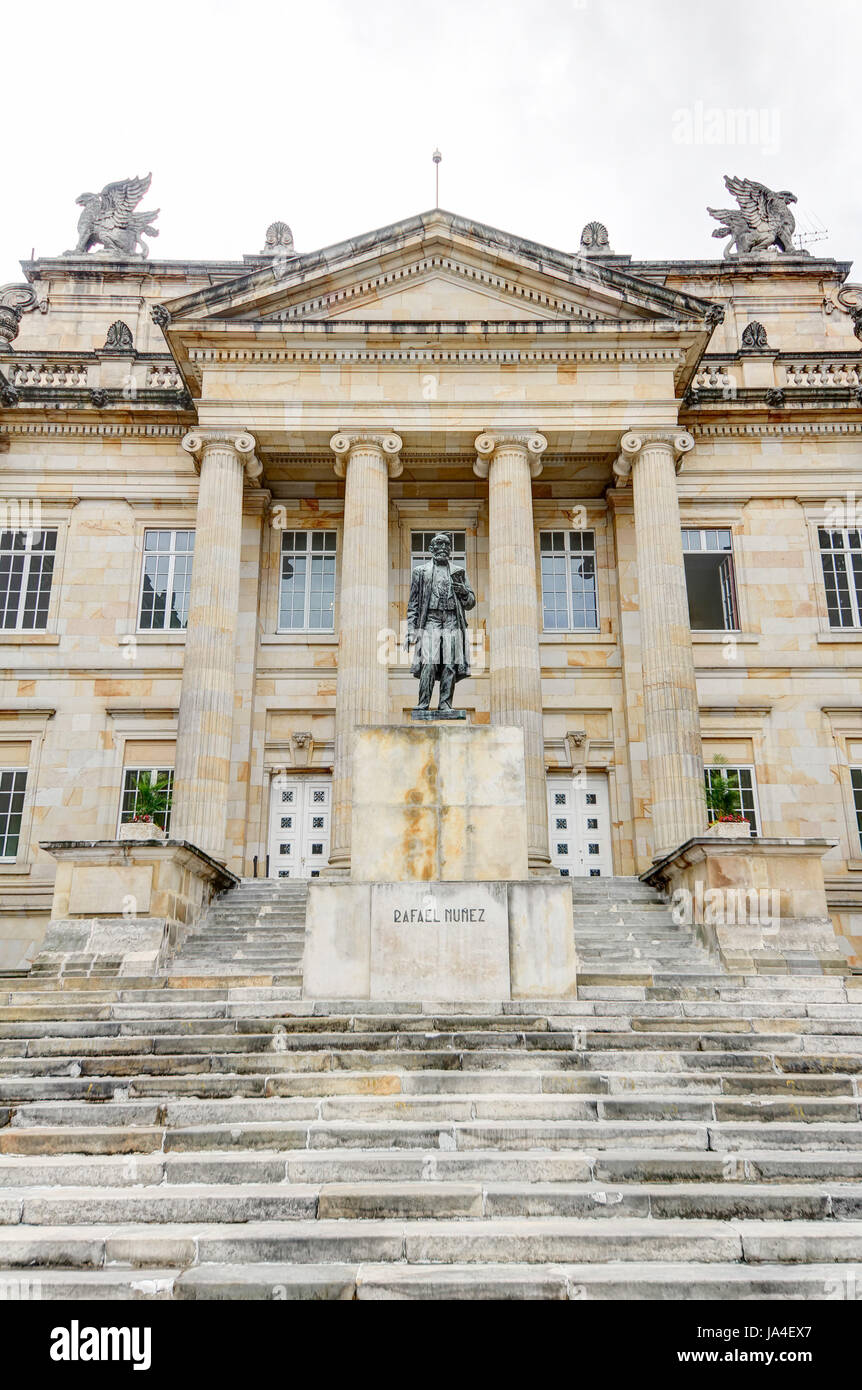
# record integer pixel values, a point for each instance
(788, 197)
(440, 546)
(85, 198)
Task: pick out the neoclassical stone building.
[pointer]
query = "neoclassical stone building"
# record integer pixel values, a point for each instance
(216, 477)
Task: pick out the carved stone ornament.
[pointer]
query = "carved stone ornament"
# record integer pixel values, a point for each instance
(594, 240)
(279, 240)
(754, 335)
(8, 395)
(303, 747)
(850, 299)
(15, 301)
(99, 398)
(160, 315)
(763, 220)
(679, 442)
(240, 442)
(109, 220)
(119, 338)
(386, 442)
(529, 442)
(776, 397)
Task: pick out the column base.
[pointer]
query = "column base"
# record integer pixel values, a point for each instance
(759, 905)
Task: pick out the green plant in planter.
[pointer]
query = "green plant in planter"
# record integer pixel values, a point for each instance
(722, 798)
(151, 800)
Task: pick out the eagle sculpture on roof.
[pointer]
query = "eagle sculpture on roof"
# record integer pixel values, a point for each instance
(109, 219)
(763, 220)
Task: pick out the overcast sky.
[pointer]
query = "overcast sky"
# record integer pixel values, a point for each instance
(549, 113)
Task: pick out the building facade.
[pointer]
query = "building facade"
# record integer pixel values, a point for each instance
(216, 478)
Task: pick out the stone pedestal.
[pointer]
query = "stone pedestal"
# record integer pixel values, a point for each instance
(443, 908)
(125, 905)
(440, 941)
(439, 801)
(759, 904)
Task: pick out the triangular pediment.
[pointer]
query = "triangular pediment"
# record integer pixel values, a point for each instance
(437, 267)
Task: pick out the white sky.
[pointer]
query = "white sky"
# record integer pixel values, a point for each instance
(324, 113)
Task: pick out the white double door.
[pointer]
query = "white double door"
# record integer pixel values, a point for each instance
(299, 826)
(579, 824)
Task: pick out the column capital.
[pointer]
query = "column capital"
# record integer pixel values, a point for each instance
(678, 442)
(243, 444)
(527, 442)
(386, 442)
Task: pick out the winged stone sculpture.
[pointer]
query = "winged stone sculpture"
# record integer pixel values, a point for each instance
(762, 221)
(109, 219)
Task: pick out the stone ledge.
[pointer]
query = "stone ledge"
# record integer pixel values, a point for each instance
(127, 902)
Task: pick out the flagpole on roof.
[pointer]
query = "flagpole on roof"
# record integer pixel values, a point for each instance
(436, 156)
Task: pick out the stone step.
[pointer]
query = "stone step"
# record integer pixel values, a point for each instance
(514, 1240)
(382, 1167)
(427, 1200)
(613, 1280)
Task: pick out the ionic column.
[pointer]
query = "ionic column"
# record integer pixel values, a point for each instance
(510, 462)
(202, 772)
(671, 719)
(366, 460)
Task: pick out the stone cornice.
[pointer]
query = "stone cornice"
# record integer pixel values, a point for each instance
(529, 443)
(776, 429)
(89, 429)
(277, 353)
(241, 443)
(385, 442)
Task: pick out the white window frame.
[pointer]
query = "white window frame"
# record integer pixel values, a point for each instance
(569, 554)
(154, 774)
(172, 553)
(703, 549)
(308, 554)
(848, 551)
(29, 552)
(722, 769)
(418, 556)
(6, 858)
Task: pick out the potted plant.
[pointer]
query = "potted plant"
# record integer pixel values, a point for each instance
(724, 806)
(151, 807)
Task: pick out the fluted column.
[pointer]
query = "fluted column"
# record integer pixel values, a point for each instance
(510, 462)
(202, 771)
(366, 460)
(671, 719)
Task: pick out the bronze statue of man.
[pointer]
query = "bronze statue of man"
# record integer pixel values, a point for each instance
(439, 598)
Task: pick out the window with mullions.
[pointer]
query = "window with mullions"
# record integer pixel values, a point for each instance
(856, 783)
(421, 540)
(26, 571)
(709, 579)
(166, 580)
(129, 803)
(841, 558)
(13, 784)
(568, 565)
(742, 781)
(307, 592)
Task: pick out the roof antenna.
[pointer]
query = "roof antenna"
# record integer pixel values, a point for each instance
(436, 156)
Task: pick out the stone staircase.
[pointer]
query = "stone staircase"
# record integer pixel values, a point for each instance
(258, 928)
(677, 1132)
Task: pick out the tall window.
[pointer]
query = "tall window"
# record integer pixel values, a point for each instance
(856, 783)
(710, 581)
(129, 803)
(13, 784)
(841, 557)
(568, 562)
(307, 595)
(166, 580)
(26, 570)
(742, 781)
(421, 540)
